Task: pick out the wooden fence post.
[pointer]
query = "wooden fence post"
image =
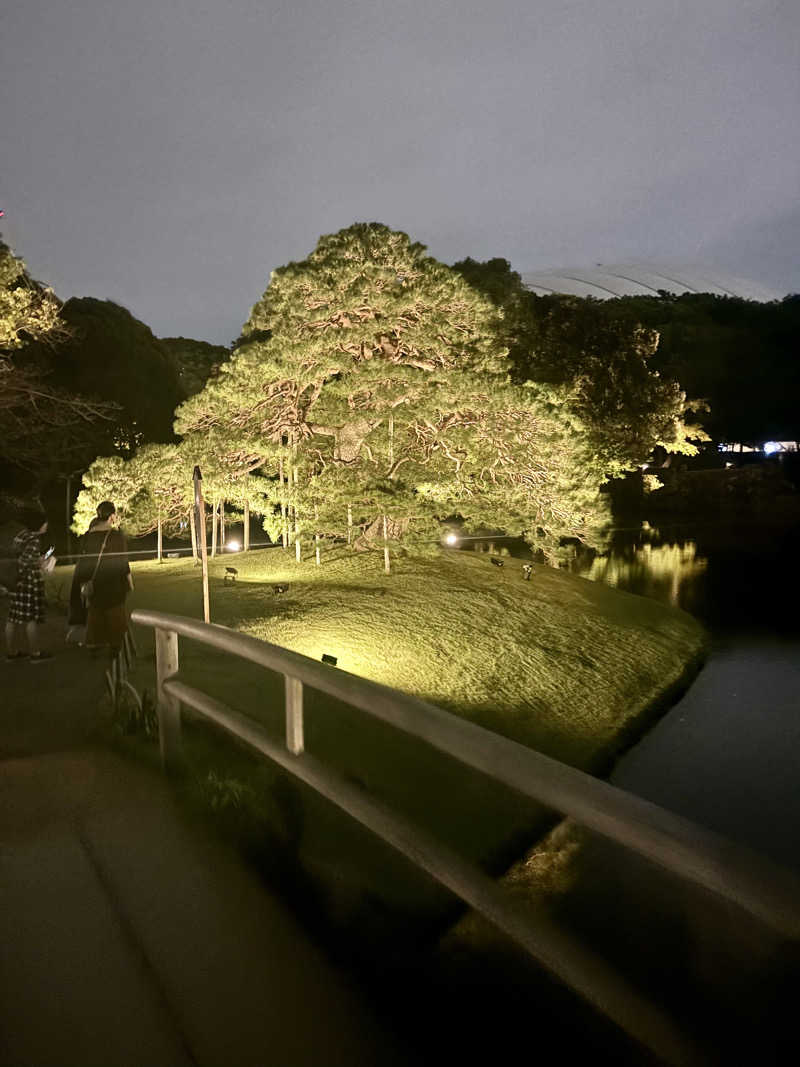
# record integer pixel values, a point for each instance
(169, 709)
(294, 715)
(193, 532)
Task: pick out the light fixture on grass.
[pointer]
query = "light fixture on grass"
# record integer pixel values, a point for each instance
(233, 546)
(451, 538)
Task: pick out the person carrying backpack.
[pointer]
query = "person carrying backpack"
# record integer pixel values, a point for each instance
(26, 613)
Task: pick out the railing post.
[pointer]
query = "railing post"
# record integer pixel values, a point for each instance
(169, 709)
(294, 715)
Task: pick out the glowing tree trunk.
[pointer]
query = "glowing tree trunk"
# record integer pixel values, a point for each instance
(284, 505)
(386, 564)
(214, 528)
(246, 531)
(349, 524)
(222, 525)
(160, 541)
(316, 536)
(200, 508)
(193, 532)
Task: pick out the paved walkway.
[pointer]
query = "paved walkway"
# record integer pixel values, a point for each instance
(129, 934)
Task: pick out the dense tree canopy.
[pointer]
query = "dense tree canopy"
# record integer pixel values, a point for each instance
(602, 354)
(740, 355)
(195, 361)
(29, 311)
(114, 357)
(379, 379)
(44, 427)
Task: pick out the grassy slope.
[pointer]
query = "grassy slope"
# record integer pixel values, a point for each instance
(558, 663)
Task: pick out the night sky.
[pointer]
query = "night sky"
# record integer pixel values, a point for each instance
(168, 154)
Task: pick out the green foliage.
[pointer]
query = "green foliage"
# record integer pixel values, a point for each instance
(196, 361)
(601, 354)
(115, 357)
(46, 429)
(741, 356)
(380, 376)
(29, 311)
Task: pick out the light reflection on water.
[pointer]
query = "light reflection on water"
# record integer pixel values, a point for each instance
(732, 577)
(658, 571)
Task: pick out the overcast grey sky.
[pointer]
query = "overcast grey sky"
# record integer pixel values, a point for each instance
(168, 154)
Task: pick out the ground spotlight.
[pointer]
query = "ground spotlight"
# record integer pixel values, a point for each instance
(451, 538)
(233, 546)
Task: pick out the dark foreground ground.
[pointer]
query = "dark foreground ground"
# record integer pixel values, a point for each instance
(129, 933)
(132, 934)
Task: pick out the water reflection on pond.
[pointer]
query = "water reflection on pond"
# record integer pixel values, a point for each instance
(731, 577)
(657, 571)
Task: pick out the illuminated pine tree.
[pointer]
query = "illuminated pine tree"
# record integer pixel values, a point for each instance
(371, 370)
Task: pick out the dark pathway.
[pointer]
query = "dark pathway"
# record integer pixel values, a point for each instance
(129, 934)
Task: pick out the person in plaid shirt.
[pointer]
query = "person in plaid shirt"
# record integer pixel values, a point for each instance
(26, 613)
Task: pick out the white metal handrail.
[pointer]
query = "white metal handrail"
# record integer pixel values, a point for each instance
(695, 854)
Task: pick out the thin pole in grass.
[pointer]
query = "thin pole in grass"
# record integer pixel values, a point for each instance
(200, 524)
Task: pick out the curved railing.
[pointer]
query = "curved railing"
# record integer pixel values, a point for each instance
(693, 853)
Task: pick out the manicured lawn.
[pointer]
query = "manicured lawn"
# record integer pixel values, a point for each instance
(558, 663)
(567, 666)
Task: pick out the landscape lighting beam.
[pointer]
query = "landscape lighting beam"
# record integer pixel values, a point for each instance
(233, 546)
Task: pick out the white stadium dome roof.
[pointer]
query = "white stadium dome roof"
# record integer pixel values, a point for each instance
(605, 282)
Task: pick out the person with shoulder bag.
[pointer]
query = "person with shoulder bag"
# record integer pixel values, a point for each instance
(101, 583)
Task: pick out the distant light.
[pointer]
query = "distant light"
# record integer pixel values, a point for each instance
(644, 466)
(772, 446)
(233, 546)
(451, 539)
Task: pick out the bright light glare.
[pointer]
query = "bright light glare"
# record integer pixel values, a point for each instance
(772, 446)
(451, 539)
(233, 546)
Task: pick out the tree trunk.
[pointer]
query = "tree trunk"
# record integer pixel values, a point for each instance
(222, 525)
(386, 565)
(200, 505)
(297, 551)
(294, 480)
(349, 524)
(316, 536)
(213, 528)
(193, 532)
(246, 530)
(160, 548)
(391, 441)
(284, 506)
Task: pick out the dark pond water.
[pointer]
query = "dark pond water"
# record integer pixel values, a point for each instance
(728, 753)
(734, 578)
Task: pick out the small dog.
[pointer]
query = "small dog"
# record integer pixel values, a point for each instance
(497, 562)
(279, 588)
(230, 574)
